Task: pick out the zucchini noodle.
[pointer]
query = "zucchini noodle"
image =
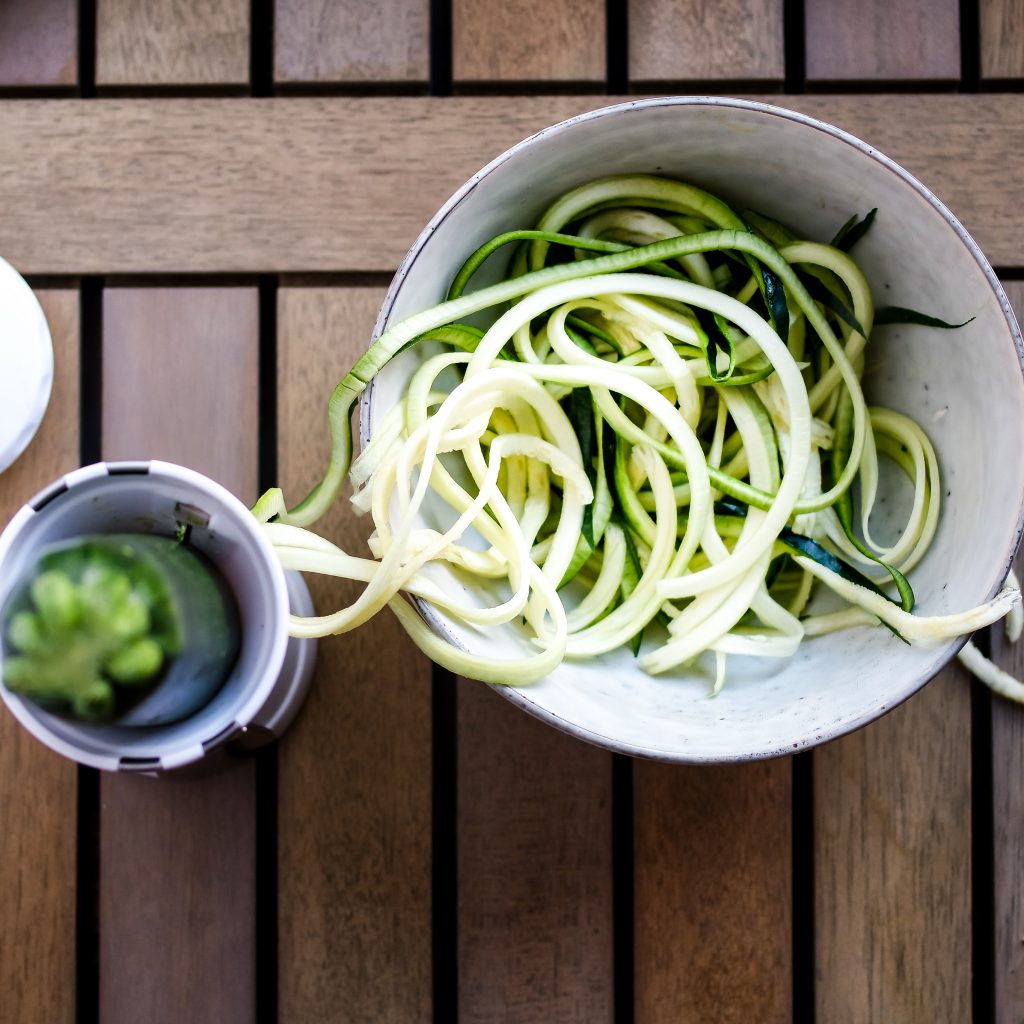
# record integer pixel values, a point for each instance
(661, 442)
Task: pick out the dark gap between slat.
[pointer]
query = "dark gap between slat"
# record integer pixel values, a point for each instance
(266, 894)
(38, 92)
(794, 46)
(529, 88)
(983, 915)
(1009, 273)
(87, 49)
(261, 47)
(616, 16)
(1001, 85)
(623, 860)
(444, 847)
(267, 286)
(87, 896)
(296, 279)
(704, 87)
(970, 46)
(440, 47)
(38, 281)
(170, 92)
(881, 86)
(338, 279)
(231, 279)
(623, 903)
(803, 887)
(91, 369)
(351, 90)
(87, 867)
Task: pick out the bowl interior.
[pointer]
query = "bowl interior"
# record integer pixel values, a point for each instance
(963, 387)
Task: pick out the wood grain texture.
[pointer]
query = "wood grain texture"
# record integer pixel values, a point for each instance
(890, 40)
(1008, 808)
(893, 863)
(177, 897)
(698, 40)
(1002, 38)
(1008, 835)
(355, 769)
(39, 794)
(713, 878)
(357, 41)
(39, 43)
(528, 40)
(172, 42)
(180, 372)
(534, 867)
(195, 185)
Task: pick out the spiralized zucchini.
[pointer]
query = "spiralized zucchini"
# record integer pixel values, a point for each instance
(661, 441)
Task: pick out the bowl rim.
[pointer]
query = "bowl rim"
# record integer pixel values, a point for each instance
(520, 696)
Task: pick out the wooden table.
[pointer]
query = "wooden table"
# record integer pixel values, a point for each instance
(210, 199)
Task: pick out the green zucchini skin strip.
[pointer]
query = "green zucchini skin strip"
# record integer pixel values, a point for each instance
(844, 505)
(901, 315)
(394, 339)
(797, 544)
(631, 574)
(853, 231)
(828, 298)
(473, 264)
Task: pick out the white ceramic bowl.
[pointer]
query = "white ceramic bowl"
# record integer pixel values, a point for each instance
(964, 387)
(26, 364)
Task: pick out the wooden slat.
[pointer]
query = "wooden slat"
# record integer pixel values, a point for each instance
(39, 43)
(39, 794)
(361, 41)
(1002, 38)
(888, 40)
(712, 847)
(179, 379)
(172, 42)
(355, 770)
(534, 867)
(701, 40)
(565, 41)
(713, 893)
(1008, 809)
(1008, 836)
(177, 856)
(893, 863)
(195, 185)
